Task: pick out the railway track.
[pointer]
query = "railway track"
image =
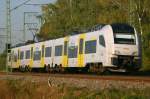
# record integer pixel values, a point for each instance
(82, 76)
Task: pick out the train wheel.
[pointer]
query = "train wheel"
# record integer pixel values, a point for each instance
(107, 72)
(62, 70)
(47, 69)
(57, 68)
(26, 69)
(51, 70)
(29, 69)
(91, 68)
(101, 69)
(19, 69)
(22, 68)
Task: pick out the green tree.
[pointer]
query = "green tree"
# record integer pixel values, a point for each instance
(65, 16)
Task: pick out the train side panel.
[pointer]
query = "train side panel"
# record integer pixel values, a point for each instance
(48, 55)
(73, 51)
(107, 50)
(37, 55)
(91, 52)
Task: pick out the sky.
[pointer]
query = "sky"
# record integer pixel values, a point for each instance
(17, 17)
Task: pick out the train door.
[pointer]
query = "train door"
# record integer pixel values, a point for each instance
(65, 56)
(37, 55)
(73, 51)
(102, 49)
(22, 58)
(80, 53)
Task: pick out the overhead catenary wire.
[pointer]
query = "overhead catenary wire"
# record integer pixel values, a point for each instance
(8, 24)
(20, 5)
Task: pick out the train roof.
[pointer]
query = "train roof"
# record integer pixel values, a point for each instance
(115, 26)
(76, 32)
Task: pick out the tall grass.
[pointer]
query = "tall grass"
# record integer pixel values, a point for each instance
(2, 62)
(146, 59)
(21, 89)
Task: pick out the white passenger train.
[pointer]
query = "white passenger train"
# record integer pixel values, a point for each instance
(112, 47)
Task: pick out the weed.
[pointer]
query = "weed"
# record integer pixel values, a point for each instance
(23, 89)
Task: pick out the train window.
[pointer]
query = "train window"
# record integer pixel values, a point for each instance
(122, 28)
(48, 51)
(81, 46)
(21, 55)
(28, 54)
(102, 40)
(72, 52)
(65, 47)
(90, 47)
(123, 34)
(37, 55)
(124, 38)
(58, 50)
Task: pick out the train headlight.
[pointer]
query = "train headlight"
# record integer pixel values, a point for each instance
(135, 53)
(117, 52)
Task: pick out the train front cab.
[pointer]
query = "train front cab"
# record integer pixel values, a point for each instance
(126, 54)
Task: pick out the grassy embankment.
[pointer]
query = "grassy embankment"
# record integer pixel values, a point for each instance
(20, 89)
(146, 60)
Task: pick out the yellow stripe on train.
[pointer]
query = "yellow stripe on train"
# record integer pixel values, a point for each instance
(65, 55)
(42, 55)
(18, 60)
(81, 55)
(31, 56)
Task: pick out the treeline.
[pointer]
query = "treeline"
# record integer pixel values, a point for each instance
(67, 16)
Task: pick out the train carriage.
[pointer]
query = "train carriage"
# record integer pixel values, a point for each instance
(111, 47)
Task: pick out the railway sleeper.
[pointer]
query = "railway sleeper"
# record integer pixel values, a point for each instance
(22, 68)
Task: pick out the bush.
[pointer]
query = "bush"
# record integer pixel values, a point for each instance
(2, 62)
(146, 59)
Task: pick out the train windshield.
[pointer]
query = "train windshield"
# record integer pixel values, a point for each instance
(123, 34)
